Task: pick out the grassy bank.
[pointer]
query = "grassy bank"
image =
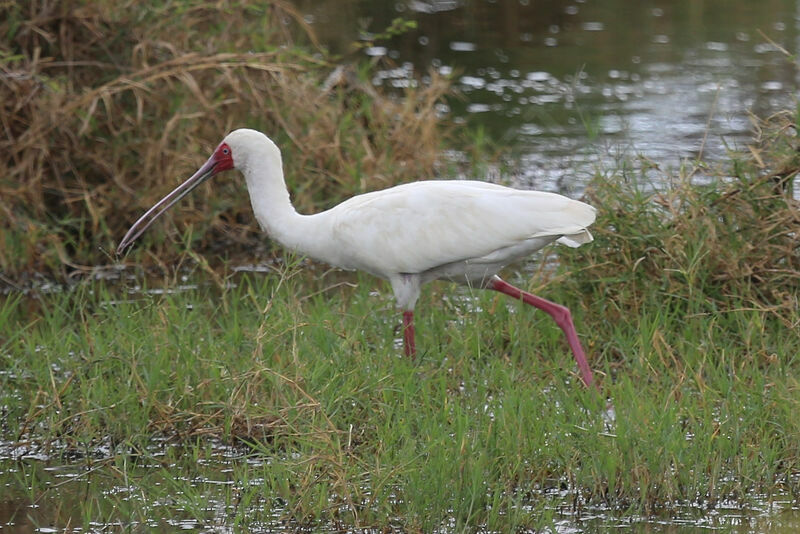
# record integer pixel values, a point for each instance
(282, 399)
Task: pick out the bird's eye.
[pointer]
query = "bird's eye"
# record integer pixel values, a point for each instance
(226, 151)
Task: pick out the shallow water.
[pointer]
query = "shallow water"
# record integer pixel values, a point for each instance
(207, 502)
(573, 86)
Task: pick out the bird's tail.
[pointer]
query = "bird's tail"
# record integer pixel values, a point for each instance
(576, 240)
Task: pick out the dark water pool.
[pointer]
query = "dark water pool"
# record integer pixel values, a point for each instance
(572, 86)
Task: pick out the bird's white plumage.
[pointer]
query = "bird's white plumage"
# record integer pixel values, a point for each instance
(413, 233)
(425, 225)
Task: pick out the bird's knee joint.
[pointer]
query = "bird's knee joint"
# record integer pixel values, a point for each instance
(561, 314)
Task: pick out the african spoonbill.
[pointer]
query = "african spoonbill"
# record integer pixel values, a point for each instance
(410, 234)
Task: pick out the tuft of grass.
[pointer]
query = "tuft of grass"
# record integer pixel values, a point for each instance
(711, 241)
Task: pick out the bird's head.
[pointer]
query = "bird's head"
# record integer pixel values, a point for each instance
(235, 151)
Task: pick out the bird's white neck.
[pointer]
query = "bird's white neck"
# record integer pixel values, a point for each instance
(273, 208)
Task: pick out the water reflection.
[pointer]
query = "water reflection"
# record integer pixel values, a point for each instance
(569, 84)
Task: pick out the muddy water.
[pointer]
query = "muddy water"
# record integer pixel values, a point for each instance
(573, 86)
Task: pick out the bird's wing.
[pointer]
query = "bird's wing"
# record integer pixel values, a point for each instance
(419, 226)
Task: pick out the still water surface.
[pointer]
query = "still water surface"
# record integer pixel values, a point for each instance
(572, 86)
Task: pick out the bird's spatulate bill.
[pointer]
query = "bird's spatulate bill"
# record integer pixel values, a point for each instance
(209, 169)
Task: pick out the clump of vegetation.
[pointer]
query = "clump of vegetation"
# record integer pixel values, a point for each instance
(704, 239)
(106, 109)
(691, 290)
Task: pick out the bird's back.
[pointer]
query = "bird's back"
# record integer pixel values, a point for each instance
(422, 226)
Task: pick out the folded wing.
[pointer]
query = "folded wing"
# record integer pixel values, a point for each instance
(416, 227)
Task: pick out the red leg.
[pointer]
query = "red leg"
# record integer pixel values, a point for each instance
(408, 333)
(558, 312)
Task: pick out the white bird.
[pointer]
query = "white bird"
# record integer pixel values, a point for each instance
(410, 234)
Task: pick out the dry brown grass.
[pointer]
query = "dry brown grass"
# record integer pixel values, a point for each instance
(105, 108)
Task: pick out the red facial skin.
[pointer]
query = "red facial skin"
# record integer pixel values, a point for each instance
(223, 156)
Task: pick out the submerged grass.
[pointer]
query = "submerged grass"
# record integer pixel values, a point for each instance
(283, 401)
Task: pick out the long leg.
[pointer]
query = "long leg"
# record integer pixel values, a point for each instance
(558, 312)
(406, 292)
(408, 333)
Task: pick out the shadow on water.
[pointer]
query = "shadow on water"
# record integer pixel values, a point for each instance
(574, 86)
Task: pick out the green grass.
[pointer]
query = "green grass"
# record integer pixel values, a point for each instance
(316, 385)
(333, 426)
